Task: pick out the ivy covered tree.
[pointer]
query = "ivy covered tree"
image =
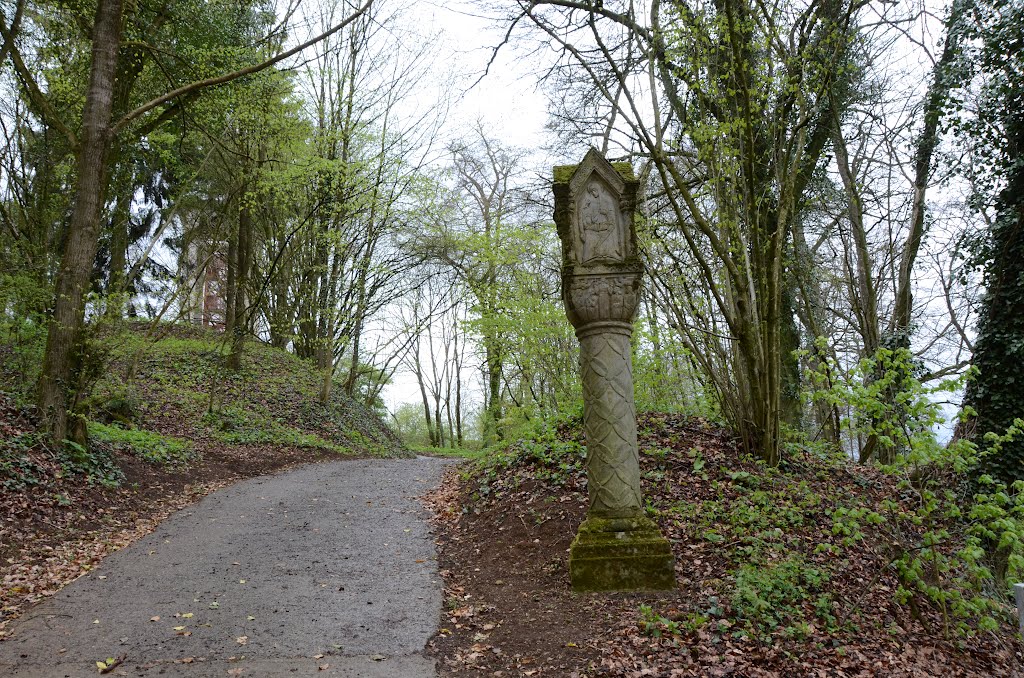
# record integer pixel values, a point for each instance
(989, 115)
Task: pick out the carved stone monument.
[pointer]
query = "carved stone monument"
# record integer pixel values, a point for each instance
(617, 547)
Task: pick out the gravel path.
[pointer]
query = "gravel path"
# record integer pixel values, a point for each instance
(329, 570)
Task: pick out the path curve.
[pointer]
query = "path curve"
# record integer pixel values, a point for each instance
(329, 570)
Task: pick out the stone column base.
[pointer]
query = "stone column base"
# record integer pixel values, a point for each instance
(621, 554)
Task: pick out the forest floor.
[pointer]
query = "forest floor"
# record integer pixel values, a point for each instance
(766, 586)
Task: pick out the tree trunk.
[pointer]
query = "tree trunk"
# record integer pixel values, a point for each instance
(231, 282)
(458, 403)
(437, 421)
(926, 143)
(357, 328)
(64, 338)
(423, 394)
(492, 415)
(119, 226)
(118, 250)
(789, 344)
(997, 392)
(243, 256)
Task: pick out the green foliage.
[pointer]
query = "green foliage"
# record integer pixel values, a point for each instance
(985, 112)
(114, 403)
(938, 548)
(411, 425)
(663, 378)
(96, 465)
(774, 593)
(555, 460)
(997, 393)
(22, 331)
(655, 625)
(944, 530)
(18, 470)
(240, 426)
(146, 445)
(886, 399)
(987, 80)
(27, 463)
(272, 398)
(757, 519)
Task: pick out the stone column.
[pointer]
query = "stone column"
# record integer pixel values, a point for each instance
(617, 548)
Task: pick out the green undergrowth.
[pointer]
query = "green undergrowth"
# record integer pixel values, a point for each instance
(183, 381)
(28, 464)
(817, 549)
(549, 454)
(239, 426)
(146, 445)
(161, 396)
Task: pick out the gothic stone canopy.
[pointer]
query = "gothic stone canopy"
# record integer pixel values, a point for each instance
(595, 203)
(594, 206)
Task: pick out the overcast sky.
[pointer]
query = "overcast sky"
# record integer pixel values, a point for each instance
(506, 100)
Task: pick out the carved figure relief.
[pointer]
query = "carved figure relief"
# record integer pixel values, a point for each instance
(599, 224)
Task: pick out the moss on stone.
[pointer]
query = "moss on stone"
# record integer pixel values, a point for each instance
(563, 173)
(621, 554)
(625, 170)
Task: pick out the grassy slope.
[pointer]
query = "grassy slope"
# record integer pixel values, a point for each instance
(157, 447)
(181, 388)
(771, 582)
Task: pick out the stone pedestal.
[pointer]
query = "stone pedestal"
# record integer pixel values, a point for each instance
(617, 548)
(626, 554)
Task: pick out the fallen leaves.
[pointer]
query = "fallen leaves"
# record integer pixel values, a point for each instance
(43, 563)
(520, 530)
(109, 664)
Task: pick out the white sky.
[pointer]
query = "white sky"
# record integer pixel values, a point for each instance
(507, 101)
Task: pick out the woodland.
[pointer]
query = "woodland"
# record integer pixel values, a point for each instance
(831, 224)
